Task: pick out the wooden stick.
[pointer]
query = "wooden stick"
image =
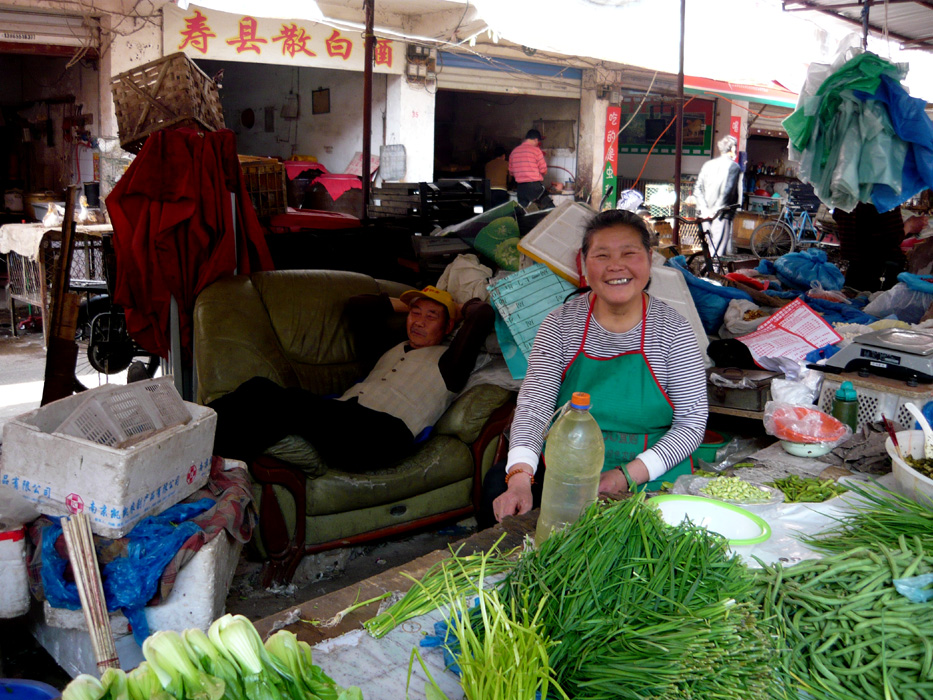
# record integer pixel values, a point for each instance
(80, 542)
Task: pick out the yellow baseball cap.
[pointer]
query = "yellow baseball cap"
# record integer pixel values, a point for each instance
(434, 294)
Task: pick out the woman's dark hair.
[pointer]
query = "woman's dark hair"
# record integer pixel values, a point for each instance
(612, 218)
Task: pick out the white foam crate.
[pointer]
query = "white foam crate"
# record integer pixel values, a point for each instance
(14, 601)
(197, 599)
(875, 403)
(63, 474)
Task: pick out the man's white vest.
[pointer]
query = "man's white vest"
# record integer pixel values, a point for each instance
(407, 385)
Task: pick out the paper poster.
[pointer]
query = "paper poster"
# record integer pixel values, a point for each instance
(791, 332)
(522, 300)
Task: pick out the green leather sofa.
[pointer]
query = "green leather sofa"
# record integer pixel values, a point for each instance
(289, 326)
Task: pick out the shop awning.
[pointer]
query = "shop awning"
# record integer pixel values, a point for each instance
(772, 93)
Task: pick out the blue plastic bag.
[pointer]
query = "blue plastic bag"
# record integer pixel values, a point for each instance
(801, 269)
(837, 312)
(131, 581)
(711, 300)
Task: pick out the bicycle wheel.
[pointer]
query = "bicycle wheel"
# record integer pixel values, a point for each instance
(772, 239)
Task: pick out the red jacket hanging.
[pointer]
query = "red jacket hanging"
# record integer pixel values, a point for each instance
(173, 230)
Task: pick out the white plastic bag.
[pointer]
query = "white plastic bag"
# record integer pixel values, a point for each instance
(734, 319)
(902, 302)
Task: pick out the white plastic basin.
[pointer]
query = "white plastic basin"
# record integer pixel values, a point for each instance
(910, 482)
(736, 524)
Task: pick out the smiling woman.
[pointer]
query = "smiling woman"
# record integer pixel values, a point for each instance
(636, 357)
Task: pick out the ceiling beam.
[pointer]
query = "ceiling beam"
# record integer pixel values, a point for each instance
(808, 6)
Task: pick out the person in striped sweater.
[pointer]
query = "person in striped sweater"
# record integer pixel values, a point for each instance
(637, 358)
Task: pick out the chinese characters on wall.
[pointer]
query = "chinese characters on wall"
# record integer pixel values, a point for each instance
(218, 35)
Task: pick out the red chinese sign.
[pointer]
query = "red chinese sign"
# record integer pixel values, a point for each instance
(611, 156)
(735, 128)
(383, 53)
(294, 40)
(338, 45)
(248, 38)
(196, 32)
(225, 36)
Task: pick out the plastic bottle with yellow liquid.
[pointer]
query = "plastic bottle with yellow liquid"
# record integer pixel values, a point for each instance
(573, 455)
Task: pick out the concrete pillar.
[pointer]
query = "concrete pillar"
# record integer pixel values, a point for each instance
(592, 133)
(410, 122)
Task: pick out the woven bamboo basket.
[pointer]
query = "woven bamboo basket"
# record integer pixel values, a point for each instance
(169, 92)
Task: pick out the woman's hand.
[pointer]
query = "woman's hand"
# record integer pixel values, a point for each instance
(613, 484)
(517, 497)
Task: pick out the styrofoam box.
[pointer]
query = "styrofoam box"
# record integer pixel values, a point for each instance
(14, 600)
(197, 599)
(556, 240)
(117, 488)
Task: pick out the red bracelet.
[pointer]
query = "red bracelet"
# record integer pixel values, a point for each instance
(510, 474)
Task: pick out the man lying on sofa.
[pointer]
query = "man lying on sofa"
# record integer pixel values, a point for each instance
(379, 420)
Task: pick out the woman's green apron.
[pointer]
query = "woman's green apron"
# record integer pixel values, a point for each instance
(628, 403)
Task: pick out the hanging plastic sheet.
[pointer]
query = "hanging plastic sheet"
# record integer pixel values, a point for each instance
(859, 136)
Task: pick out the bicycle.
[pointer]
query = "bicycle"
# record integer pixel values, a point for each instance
(707, 260)
(783, 235)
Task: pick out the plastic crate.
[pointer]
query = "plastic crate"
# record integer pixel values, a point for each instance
(118, 416)
(265, 182)
(169, 92)
(873, 403)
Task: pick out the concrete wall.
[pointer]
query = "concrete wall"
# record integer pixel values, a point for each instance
(410, 112)
(332, 138)
(469, 125)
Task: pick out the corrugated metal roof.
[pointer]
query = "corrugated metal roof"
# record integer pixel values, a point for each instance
(908, 22)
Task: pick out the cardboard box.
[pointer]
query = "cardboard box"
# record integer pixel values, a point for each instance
(117, 488)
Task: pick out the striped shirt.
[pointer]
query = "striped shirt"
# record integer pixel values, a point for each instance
(671, 349)
(526, 163)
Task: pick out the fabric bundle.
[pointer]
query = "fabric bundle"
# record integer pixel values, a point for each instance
(859, 136)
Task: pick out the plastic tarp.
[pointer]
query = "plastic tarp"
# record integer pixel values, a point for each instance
(711, 300)
(859, 136)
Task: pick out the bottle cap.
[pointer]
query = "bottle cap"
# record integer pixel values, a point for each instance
(580, 399)
(846, 392)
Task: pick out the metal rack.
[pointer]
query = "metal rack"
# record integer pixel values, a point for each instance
(30, 279)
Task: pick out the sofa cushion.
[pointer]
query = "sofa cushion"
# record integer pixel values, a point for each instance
(306, 310)
(442, 460)
(241, 343)
(298, 452)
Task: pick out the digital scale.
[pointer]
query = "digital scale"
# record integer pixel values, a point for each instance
(904, 354)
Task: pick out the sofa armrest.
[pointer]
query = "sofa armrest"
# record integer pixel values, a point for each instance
(282, 548)
(468, 414)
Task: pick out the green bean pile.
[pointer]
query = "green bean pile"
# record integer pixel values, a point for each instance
(850, 634)
(644, 610)
(732, 488)
(807, 490)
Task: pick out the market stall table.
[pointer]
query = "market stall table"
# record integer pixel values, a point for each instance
(351, 656)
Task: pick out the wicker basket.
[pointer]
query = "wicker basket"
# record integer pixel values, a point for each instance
(265, 181)
(169, 92)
